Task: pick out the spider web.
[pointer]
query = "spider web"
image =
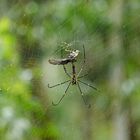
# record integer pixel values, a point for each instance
(92, 46)
(98, 55)
(56, 22)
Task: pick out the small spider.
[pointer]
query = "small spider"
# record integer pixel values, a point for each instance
(74, 78)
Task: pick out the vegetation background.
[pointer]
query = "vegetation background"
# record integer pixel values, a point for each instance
(30, 33)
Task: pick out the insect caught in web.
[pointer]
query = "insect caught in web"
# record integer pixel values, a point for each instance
(74, 77)
(70, 58)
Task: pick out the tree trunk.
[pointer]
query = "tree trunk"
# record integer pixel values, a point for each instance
(120, 123)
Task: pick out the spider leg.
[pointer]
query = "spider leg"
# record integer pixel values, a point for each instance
(65, 70)
(83, 76)
(83, 96)
(83, 62)
(88, 85)
(62, 95)
(58, 84)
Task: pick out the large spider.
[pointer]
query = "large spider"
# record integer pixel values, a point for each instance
(74, 78)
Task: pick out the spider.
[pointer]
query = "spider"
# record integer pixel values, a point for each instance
(74, 78)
